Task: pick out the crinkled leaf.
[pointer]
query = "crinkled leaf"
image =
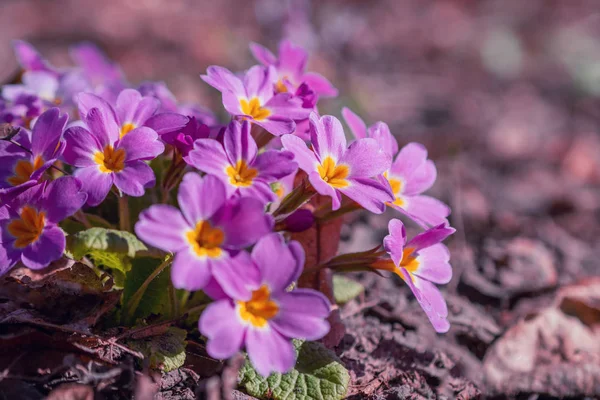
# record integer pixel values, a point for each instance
(345, 289)
(165, 352)
(109, 240)
(156, 297)
(318, 375)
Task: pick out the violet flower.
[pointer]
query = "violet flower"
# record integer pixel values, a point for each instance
(29, 223)
(290, 69)
(238, 165)
(19, 168)
(261, 314)
(410, 174)
(334, 169)
(252, 98)
(421, 262)
(107, 153)
(204, 234)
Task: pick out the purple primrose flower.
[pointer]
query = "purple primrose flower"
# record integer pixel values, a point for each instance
(107, 153)
(205, 233)
(252, 98)
(421, 262)
(29, 223)
(410, 174)
(260, 314)
(20, 169)
(238, 165)
(290, 69)
(334, 169)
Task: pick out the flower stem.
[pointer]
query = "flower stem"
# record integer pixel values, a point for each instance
(134, 302)
(124, 223)
(296, 198)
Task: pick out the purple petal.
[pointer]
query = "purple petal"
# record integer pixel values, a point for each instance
(166, 122)
(163, 227)
(292, 58)
(244, 221)
(275, 164)
(209, 156)
(220, 324)
(237, 276)
(430, 237)
(62, 198)
(366, 159)
(394, 242)
(320, 84)
(432, 302)
(200, 198)
(302, 155)
(103, 126)
(260, 189)
(277, 125)
(127, 102)
(302, 314)
(269, 351)
(356, 124)
(327, 137)
(411, 157)
(95, 183)
(262, 54)
(381, 133)
(258, 83)
(434, 265)
(135, 178)
(141, 144)
(189, 271)
(49, 247)
(214, 290)
(284, 105)
(238, 143)
(427, 209)
(223, 80)
(81, 147)
(325, 189)
(369, 193)
(29, 58)
(47, 133)
(231, 102)
(276, 263)
(421, 179)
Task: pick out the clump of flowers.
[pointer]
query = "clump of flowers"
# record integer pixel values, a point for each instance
(231, 199)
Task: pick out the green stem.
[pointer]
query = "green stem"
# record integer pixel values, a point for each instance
(124, 223)
(185, 296)
(134, 302)
(81, 217)
(348, 208)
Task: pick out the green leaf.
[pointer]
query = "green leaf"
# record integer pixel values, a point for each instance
(318, 375)
(345, 289)
(165, 352)
(119, 264)
(156, 297)
(108, 240)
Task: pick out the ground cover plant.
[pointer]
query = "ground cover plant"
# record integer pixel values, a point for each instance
(206, 230)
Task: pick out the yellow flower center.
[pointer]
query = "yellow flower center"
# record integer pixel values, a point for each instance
(396, 185)
(28, 228)
(206, 240)
(241, 175)
(334, 175)
(254, 109)
(280, 86)
(24, 169)
(259, 309)
(409, 262)
(126, 128)
(110, 160)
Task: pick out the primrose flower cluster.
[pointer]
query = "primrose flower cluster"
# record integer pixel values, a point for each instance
(233, 195)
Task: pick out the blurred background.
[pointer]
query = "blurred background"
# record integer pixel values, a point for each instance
(504, 94)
